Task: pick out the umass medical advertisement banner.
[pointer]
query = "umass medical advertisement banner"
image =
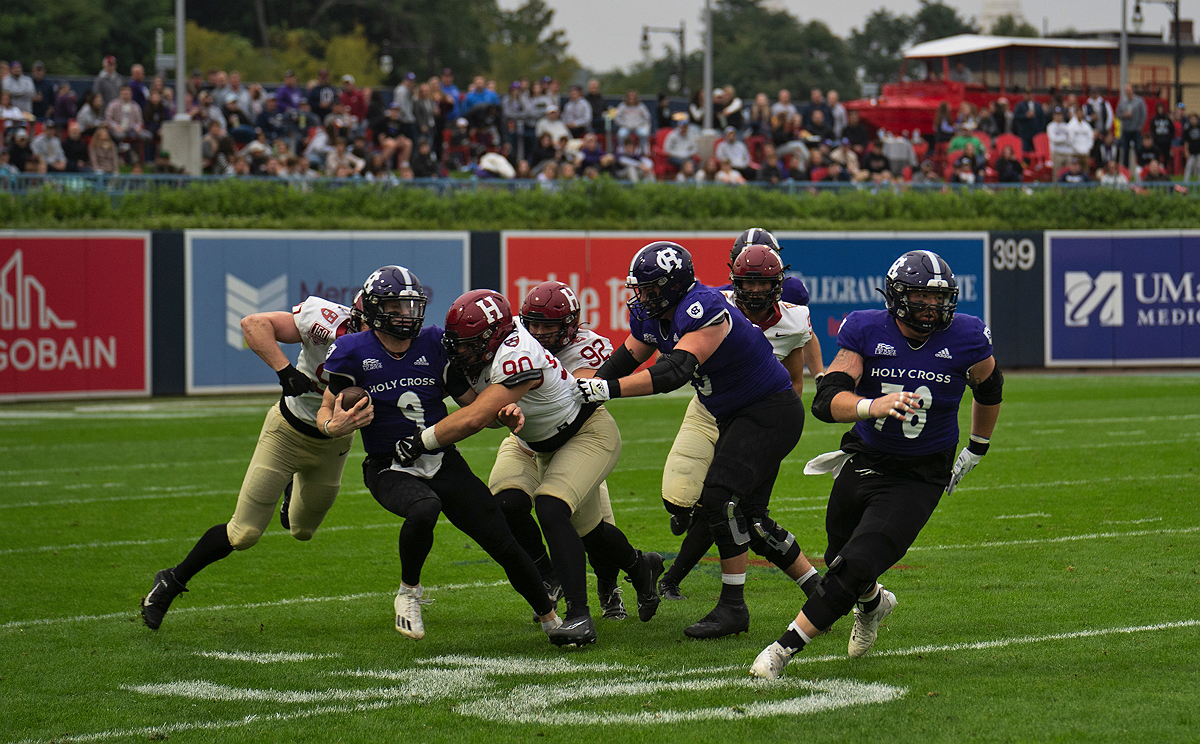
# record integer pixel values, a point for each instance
(231, 274)
(1122, 298)
(74, 314)
(841, 270)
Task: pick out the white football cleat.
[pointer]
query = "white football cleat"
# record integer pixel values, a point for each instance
(866, 624)
(770, 662)
(408, 611)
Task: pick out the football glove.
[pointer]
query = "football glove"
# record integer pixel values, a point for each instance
(409, 449)
(294, 382)
(593, 389)
(966, 462)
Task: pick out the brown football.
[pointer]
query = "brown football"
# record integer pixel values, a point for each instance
(353, 395)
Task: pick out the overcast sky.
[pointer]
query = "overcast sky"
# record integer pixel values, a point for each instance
(607, 34)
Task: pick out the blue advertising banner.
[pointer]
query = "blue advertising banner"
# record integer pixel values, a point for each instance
(842, 270)
(1122, 298)
(231, 274)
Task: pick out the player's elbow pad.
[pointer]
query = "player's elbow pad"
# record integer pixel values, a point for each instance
(673, 370)
(990, 392)
(621, 364)
(830, 385)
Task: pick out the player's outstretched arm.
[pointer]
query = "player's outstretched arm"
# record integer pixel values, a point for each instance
(264, 332)
(477, 415)
(812, 357)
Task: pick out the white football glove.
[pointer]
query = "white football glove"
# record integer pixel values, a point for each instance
(966, 462)
(592, 389)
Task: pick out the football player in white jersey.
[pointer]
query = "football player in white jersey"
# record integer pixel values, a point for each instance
(757, 282)
(290, 447)
(550, 312)
(577, 446)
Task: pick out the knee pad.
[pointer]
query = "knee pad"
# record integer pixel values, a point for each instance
(242, 538)
(725, 520)
(424, 513)
(774, 542)
(514, 500)
(682, 491)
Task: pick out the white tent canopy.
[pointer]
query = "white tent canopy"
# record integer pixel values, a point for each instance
(952, 46)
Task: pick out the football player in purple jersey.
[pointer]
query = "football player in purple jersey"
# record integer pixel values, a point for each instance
(701, 338)
(403, 365)
(900, 374)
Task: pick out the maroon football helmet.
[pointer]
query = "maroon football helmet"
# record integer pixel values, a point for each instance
(552, 302)
(757, 262)
(478, 322)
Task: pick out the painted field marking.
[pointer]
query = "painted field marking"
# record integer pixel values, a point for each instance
(1133, 521)
(533, 703)
(1022, 516)
(1050, 540)
(263, 658)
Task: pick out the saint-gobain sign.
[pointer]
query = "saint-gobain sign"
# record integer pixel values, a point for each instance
(1122, 298)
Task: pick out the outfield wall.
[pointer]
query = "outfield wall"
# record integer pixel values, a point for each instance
(133, 314)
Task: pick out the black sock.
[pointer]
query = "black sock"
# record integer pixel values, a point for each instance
(608, 543)
(733, 594)
(694, 546)
(566, 550)
(518, 513)
(792, 641)
(210, 548)
(872, 603)
(545, 566)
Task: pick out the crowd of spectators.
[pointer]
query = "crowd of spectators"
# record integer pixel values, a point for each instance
(428, 128)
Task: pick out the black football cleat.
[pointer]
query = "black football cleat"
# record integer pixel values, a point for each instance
(284, 506)
(644, 578)
(577, 631)
(668, 589)
(610, 600)
(156, 603)
(723, 621)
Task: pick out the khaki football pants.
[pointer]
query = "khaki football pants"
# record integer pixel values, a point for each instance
(574, 473)
(690, 456)
(284, 454)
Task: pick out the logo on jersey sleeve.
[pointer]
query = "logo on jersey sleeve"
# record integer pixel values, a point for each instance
(329, 315)
(987, 332)
(695, 310)
(885, 350)
(370, 364)
(650, 339)
(319, 333)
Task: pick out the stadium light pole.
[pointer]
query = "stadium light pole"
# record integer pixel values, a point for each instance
(180, 61)
(1124, 45)
(708, 54)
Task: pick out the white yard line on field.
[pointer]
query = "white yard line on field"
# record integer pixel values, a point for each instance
(15, 624)
(262, 658)
(556, 703)
(1022, 516)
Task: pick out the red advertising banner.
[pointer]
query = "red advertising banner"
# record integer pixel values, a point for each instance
(595, 266)
(74, 315)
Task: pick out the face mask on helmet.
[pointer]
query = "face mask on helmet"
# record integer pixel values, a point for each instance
(476, 325)
(357, 320)
(393, 302)
(757, 264)
(921, 291)
(551, 314)
(659, 277)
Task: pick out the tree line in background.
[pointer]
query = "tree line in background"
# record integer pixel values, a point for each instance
(755, 47)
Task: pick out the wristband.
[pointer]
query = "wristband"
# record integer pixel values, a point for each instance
(864, 408)
(978, 445)
(429, 439)
(614, 389)
(325, 427)
(817, 378)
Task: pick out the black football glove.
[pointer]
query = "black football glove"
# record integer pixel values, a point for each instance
(409, 449)
(294, 382)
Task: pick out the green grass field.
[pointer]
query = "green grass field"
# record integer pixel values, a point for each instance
(1051, 598)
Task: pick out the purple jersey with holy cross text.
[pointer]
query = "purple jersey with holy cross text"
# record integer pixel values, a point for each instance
(408, 391)
(741, 371)
(937, 372)
(794, 290)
